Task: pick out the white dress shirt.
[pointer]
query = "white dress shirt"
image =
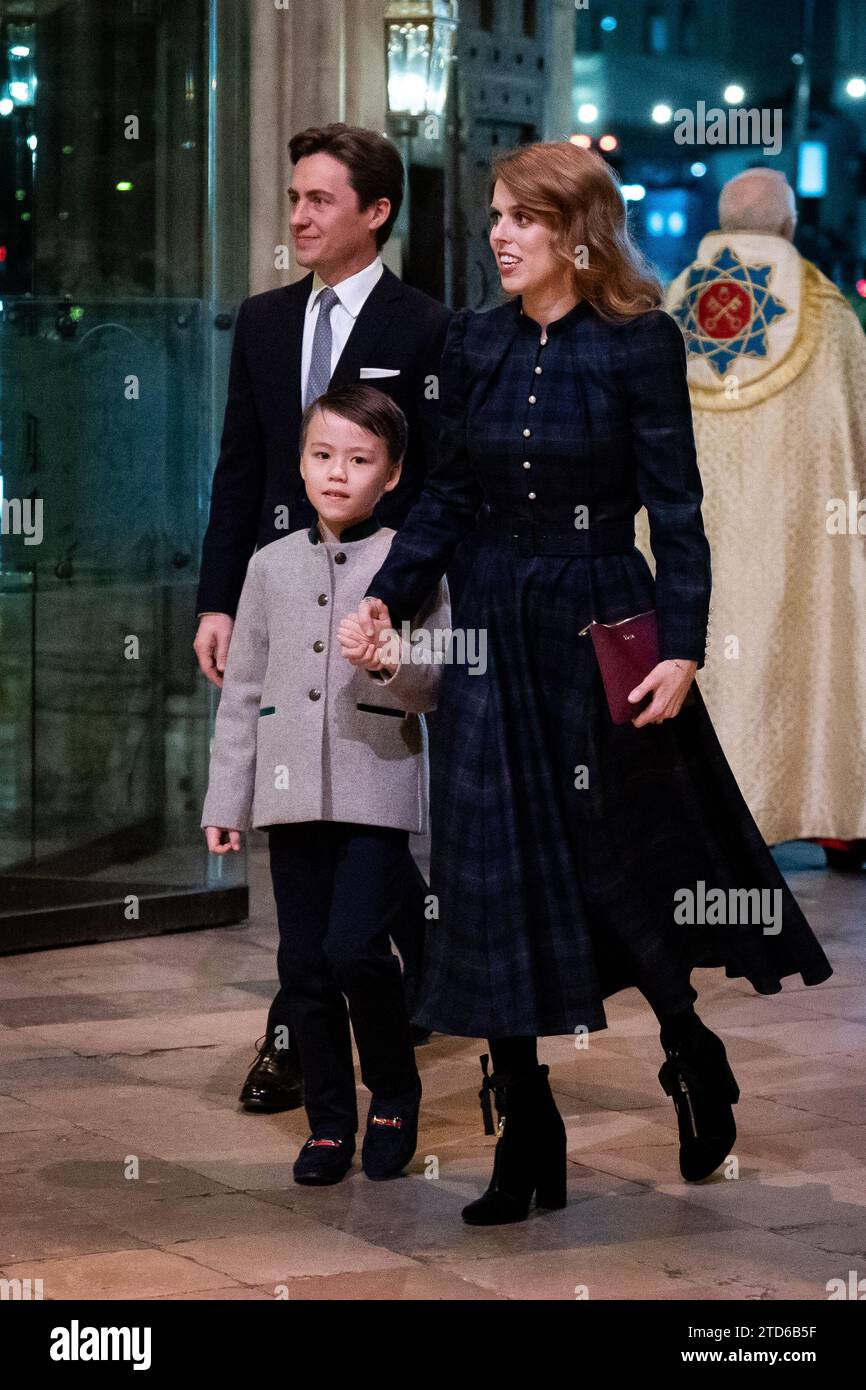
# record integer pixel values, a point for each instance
(352, 294)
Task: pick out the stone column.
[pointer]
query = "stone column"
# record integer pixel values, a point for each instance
(310, 63)
(558, 53)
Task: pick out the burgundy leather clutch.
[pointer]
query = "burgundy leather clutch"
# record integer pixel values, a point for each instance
(626, 652)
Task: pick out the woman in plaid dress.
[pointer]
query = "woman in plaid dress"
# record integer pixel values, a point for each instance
(572, 857)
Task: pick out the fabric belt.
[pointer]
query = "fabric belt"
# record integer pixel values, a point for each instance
(537, 538)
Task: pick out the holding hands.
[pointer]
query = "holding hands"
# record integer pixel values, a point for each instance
(361, 634)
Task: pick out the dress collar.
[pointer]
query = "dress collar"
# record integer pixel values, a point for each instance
(359, 532)
(560, 325)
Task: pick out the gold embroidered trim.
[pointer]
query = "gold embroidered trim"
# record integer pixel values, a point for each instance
(814, 287)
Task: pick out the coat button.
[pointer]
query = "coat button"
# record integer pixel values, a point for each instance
(526, 463)
(538, 371)
(323, 599)
(318, 646)
(531, 496)
(340, 558)
(526, 434)
(532, 400)
(315, 694)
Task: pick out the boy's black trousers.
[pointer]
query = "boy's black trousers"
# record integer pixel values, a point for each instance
(339, 887)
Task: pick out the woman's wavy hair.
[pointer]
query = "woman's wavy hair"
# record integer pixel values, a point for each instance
(577, 195)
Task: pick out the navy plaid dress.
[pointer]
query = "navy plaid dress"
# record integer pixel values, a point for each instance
(558, 839)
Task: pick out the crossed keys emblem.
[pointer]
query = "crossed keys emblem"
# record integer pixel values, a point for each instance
(727, 308)
(723, 310)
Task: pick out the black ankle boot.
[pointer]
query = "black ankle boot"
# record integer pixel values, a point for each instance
(530, 1150)
(698, 1076)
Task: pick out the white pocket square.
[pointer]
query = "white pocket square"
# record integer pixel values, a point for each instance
(368, 372)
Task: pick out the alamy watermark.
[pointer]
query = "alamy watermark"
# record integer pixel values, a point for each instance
(735, 125)
(21, 1290)
(85, 1343)
(439, 646)
(22, 516)
(846, 516)
(735, 906)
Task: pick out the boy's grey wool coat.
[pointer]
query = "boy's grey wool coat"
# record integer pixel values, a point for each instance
(301, 734)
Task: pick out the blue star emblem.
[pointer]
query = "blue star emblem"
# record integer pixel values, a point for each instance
(726, 310)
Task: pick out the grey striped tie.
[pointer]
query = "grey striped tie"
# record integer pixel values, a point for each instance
(320, 360)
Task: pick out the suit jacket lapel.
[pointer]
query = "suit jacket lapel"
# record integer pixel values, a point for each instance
(288, 367)
(378, 310)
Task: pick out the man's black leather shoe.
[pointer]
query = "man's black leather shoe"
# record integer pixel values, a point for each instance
(274, 1082)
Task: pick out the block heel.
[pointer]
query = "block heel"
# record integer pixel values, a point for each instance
(530, 1156)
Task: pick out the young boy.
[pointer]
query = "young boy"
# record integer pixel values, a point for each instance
(332, 760)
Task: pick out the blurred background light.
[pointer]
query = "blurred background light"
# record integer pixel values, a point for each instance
(812, 169)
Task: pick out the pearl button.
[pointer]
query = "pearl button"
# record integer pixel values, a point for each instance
(543, 339)
(526, 463)
(318, 646)
(538, 371)
(339, 558)
(526, 434)
(531, 496)
(532, 400)
(315, 694)
(323, 599)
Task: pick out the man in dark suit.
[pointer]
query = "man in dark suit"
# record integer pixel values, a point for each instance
(350, 319)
